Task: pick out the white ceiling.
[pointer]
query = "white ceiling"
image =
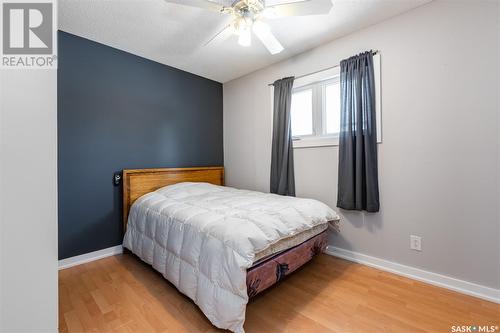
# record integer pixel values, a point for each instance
(174, 34)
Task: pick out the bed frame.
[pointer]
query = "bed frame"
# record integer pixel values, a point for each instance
(138, 182)
(259, 277)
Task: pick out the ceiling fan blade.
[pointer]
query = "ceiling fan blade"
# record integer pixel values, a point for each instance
(263, 32)
(311, 7)
(205, 4)
(224, 33)
(270, 3)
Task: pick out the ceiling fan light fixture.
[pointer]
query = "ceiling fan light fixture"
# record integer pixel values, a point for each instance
(246, 17)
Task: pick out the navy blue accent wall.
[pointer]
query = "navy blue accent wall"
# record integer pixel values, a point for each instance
(120, 111)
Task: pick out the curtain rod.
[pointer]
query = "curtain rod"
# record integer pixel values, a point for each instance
(321, 70)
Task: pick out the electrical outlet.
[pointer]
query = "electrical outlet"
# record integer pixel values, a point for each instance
(415, 243)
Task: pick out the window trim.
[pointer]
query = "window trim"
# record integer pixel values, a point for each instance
(315, 141)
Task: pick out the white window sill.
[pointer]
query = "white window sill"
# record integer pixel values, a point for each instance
(315, 142)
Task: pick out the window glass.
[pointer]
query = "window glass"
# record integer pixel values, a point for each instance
(332, 108)
(301, 113)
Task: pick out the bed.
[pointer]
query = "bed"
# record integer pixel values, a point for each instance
(218, 245)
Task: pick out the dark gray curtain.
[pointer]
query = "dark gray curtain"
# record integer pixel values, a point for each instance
(358, 172)
(282, 177)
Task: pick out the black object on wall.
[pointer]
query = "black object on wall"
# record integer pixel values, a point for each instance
(120, 111)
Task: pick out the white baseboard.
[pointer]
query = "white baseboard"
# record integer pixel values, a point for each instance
(468, 288)
(464, 287)
(88, 257)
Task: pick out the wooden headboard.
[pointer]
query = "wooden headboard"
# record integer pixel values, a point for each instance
(141, 181)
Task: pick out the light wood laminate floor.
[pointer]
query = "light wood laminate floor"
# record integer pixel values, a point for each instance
(122, 294)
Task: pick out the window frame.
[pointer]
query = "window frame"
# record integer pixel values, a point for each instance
(319, 137)
(321, 79)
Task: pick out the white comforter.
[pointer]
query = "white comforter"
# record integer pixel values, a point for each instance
(203, 237)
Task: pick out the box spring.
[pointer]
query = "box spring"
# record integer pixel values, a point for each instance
(269, 272)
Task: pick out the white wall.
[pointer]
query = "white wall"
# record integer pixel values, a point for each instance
(28, 199)
(498, 118)
(439, 160)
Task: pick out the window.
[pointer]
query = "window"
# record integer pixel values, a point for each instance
(315, 113)
(315, 109)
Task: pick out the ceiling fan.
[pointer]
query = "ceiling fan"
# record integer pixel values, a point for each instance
(246, 16)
